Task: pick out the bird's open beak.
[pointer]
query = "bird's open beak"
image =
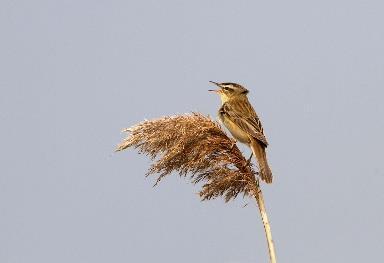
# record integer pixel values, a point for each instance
(215, 90)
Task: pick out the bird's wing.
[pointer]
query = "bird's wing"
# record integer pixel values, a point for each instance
(244, 116)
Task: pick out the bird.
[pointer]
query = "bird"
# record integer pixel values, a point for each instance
(239, 117)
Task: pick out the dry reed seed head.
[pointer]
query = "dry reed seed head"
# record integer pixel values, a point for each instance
(194, 144)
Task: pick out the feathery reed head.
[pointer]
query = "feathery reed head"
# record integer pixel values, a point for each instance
(193, 144)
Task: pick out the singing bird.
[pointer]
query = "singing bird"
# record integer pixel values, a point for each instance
(238, 115)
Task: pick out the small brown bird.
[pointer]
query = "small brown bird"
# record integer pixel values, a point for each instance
(238, 115)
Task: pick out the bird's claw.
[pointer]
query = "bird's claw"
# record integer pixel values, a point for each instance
(249, 159)
(233, 144)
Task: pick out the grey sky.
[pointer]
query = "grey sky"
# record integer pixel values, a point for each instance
(74, 73)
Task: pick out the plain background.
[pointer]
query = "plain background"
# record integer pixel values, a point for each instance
(74, 73)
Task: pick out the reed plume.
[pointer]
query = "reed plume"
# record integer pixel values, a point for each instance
(194, 146)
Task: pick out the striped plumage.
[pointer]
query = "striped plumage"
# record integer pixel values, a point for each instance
(238, 115)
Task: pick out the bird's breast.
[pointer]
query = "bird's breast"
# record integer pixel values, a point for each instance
(235, 130)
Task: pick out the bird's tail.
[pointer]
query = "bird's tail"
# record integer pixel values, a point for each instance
(261, 157)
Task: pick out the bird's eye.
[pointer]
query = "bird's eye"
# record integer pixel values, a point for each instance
(225, 88)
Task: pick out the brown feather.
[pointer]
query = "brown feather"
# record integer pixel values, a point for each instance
(238, 115)
(241, 112)
(261, 157)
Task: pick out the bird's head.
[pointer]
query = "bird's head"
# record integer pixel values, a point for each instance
(228, 90)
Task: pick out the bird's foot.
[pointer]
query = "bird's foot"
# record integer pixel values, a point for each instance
(249, 159)
(233, 145)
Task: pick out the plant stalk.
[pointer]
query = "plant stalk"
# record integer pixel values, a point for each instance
(267, 227)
